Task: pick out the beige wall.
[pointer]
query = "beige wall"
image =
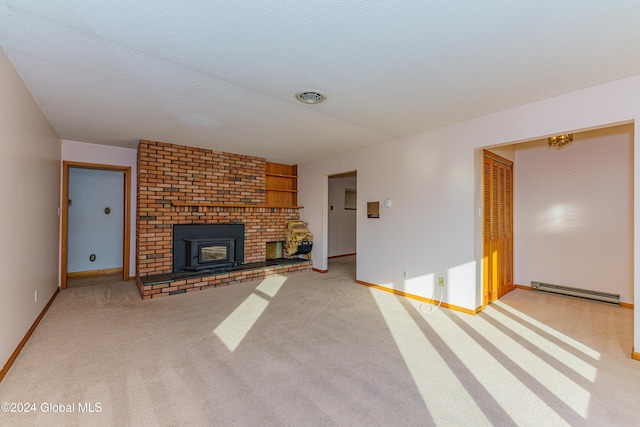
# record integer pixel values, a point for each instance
(29, 221)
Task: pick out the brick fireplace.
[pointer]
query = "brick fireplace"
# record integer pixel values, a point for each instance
(186, 185)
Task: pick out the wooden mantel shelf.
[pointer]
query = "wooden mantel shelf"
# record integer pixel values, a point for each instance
(228, 205)
(281, 175)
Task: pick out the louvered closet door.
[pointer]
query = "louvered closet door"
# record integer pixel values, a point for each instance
(497, 227)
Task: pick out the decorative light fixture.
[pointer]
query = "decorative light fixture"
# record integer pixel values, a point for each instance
(560, 141)
(310, 96)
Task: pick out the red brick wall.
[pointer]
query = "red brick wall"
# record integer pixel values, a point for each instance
(169, 173)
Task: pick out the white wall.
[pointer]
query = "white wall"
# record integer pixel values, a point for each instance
(74, 151)
(427, 186)
(342, 222)
(573, 212)
(29, 222)
(433, 227)
(91, 231)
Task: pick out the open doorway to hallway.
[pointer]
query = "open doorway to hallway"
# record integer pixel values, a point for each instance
(343, 266)
(343, 196)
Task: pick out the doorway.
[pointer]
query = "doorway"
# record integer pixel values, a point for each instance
(95, 223)
(497, 227)
(342, 212)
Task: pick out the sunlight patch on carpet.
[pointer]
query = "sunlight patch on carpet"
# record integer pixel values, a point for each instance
(513, 396)
(545, 372)
(237, 325)
(271, 285)
(564, 338)
(571, 361)
(420, 356)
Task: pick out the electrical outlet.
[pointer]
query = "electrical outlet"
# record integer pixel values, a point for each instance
(405, 274)
(36, 296)
(441, 281)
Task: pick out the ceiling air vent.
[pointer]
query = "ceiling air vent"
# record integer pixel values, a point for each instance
(310, 96)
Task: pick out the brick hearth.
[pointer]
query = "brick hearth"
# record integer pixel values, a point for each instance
(171, 175)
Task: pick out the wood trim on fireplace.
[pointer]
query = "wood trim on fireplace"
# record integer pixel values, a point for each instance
(65, 211)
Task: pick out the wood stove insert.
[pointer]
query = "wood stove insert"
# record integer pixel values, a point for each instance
(201, 247)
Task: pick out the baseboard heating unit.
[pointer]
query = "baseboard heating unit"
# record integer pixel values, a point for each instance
(575, 292)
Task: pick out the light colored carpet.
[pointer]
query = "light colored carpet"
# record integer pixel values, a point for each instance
(318, 349)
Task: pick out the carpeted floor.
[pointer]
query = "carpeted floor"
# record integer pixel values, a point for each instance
(317, 349)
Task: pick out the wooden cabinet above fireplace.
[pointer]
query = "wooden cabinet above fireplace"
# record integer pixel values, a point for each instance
(281, 184)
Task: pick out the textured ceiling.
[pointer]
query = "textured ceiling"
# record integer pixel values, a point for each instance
(223, 74)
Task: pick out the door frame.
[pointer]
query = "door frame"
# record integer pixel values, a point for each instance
(326, 215)
(65, 214)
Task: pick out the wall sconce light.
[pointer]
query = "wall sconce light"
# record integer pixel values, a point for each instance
(560, 141)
